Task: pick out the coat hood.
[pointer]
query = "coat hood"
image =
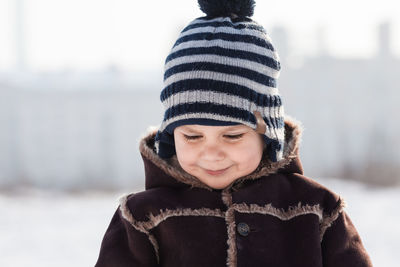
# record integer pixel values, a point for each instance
(167, 172)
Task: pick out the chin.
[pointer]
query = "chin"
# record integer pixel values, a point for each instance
(216, 184)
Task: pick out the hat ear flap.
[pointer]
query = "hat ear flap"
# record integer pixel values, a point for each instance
(164, 144)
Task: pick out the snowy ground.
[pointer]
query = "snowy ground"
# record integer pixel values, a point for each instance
(40, 228)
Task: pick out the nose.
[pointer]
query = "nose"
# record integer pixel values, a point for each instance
(212, 151)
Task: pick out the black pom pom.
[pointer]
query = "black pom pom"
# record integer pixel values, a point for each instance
(225, 8)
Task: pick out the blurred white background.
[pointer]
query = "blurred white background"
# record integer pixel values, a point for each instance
(80, 83)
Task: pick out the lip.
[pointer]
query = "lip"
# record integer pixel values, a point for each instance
(217, 172)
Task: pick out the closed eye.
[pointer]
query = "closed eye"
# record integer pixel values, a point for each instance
(192, 137)
(236, 136)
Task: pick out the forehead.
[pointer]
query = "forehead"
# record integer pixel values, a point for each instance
(207, 128)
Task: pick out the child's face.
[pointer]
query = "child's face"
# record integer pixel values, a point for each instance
(218, 155)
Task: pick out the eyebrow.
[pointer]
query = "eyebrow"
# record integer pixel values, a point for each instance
(185, 128)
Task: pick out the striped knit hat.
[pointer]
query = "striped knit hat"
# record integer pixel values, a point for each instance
(223, 70)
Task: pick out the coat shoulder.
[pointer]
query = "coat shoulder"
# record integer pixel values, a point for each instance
(136, 204)
(141, 204)
(284, 190)
(314, 192)
(165, 200)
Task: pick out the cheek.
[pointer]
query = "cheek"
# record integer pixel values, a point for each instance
(249, 155)
(184, 154)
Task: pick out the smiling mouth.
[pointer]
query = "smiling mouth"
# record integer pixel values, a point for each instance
(218, 172)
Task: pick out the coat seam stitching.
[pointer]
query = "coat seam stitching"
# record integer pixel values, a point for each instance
(281, 214)
(329, 219)
(231, 259)
(127, 215)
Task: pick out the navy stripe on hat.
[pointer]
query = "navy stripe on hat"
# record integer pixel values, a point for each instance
(242, 72)
(216, 50)
(245, 38)
(265, 100)
(239, 26)
(211, 109)
(221, 110)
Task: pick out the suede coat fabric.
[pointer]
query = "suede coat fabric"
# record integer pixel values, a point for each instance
(274, 216)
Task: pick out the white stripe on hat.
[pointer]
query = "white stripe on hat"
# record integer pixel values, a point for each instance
(217, 76)
(219, 19)
(235, 62)
(193, 96)
(229, 30)
(241, 46)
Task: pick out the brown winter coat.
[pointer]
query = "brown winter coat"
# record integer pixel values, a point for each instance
(272, 217)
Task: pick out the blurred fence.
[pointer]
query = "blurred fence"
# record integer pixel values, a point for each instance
(66, 130)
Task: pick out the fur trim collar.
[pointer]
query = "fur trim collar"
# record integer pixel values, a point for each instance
(171, 167)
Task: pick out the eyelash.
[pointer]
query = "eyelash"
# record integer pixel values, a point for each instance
(191, 137)
(194, 137)
(236, 136)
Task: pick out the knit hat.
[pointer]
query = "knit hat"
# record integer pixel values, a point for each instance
(223, 70)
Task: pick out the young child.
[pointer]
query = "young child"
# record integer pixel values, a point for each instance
(224, 183)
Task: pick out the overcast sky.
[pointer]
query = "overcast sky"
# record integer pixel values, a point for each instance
(131, 34)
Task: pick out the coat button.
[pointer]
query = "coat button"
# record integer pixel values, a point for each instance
(243, 229)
